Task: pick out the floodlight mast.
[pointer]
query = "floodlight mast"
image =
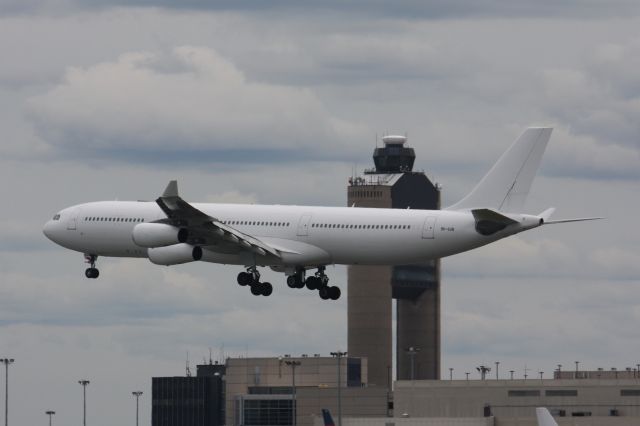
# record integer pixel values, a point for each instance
(6, 362)
(137, 395)
(84, 384)
(412, 351)
(50, 414)
(338, 355)
(293, 365)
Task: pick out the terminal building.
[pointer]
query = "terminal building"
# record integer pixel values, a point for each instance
(392, 183)
(289, 390)
(193, 401)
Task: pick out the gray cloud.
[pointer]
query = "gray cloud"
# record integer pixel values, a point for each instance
(190, 105)
(408, 9)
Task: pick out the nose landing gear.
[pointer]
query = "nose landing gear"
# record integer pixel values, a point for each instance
(251, 278)
(92, 271)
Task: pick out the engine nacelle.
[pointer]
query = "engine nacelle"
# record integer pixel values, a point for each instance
(158, 235)
(175, 254)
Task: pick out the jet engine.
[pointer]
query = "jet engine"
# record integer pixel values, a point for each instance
(175, 254)
(158, 235)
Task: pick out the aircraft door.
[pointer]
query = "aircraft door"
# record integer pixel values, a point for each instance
(72, 223)
(429, 227)
(303, 225)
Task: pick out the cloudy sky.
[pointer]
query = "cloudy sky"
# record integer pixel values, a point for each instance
(240, 101)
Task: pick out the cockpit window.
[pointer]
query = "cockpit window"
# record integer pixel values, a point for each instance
(56, 217)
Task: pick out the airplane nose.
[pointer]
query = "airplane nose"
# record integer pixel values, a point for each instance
(48, 230)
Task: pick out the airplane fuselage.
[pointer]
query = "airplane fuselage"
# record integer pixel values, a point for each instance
(305, 235)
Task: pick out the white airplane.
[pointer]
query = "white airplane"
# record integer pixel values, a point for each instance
(544, 417)
(294, 239)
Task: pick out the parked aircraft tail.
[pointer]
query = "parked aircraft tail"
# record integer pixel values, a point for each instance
(544, 417)
(328, 420)
(506, 186)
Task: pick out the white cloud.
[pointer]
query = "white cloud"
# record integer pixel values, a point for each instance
(190, 100)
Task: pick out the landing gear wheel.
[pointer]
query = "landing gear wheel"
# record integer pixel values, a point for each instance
(256, 289)
(324, 293)
(312, 283)
(334, 293)
(292, 281)
(267, 289)
(244, 278)
(92, 271)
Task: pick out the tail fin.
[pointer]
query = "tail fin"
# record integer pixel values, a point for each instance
(506, 186)
(328, 420)
(544, 417)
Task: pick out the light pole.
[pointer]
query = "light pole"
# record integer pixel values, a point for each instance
(339, 355)
(6, 362)
(450, 373)
(84, 384)
(50, 414)
(412, 352)
(137, 395)
(497, 364)
(559, 371)
(293, 365)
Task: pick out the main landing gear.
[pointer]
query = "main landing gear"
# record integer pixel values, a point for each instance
(319, 282)
(252, 279)
(91, 272)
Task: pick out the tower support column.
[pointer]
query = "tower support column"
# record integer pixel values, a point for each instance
(369, 319)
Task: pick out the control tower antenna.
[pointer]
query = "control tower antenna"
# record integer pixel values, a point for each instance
(187, 369)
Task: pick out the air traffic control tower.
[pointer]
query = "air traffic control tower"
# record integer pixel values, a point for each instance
(394, 184)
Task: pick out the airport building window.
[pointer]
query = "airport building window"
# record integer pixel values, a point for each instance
(630, 392)
(524, 392)
(276, 412)
(561, 392)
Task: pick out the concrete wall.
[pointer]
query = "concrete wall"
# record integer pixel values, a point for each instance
(369, 403)
(461, 398)
(312, 374)
(442, 421)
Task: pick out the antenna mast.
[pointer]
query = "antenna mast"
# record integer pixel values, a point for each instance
(188, 370)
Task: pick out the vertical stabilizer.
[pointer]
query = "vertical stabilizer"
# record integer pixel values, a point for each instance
(506, 186)
(328, 420)
(544, 417)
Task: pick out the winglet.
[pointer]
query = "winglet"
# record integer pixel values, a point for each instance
(171, 190)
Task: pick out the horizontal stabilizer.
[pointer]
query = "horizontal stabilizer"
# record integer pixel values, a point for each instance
(490, 221)
(492, 215)
(580, 219)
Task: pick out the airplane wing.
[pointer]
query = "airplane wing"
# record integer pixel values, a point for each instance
(205, 230)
